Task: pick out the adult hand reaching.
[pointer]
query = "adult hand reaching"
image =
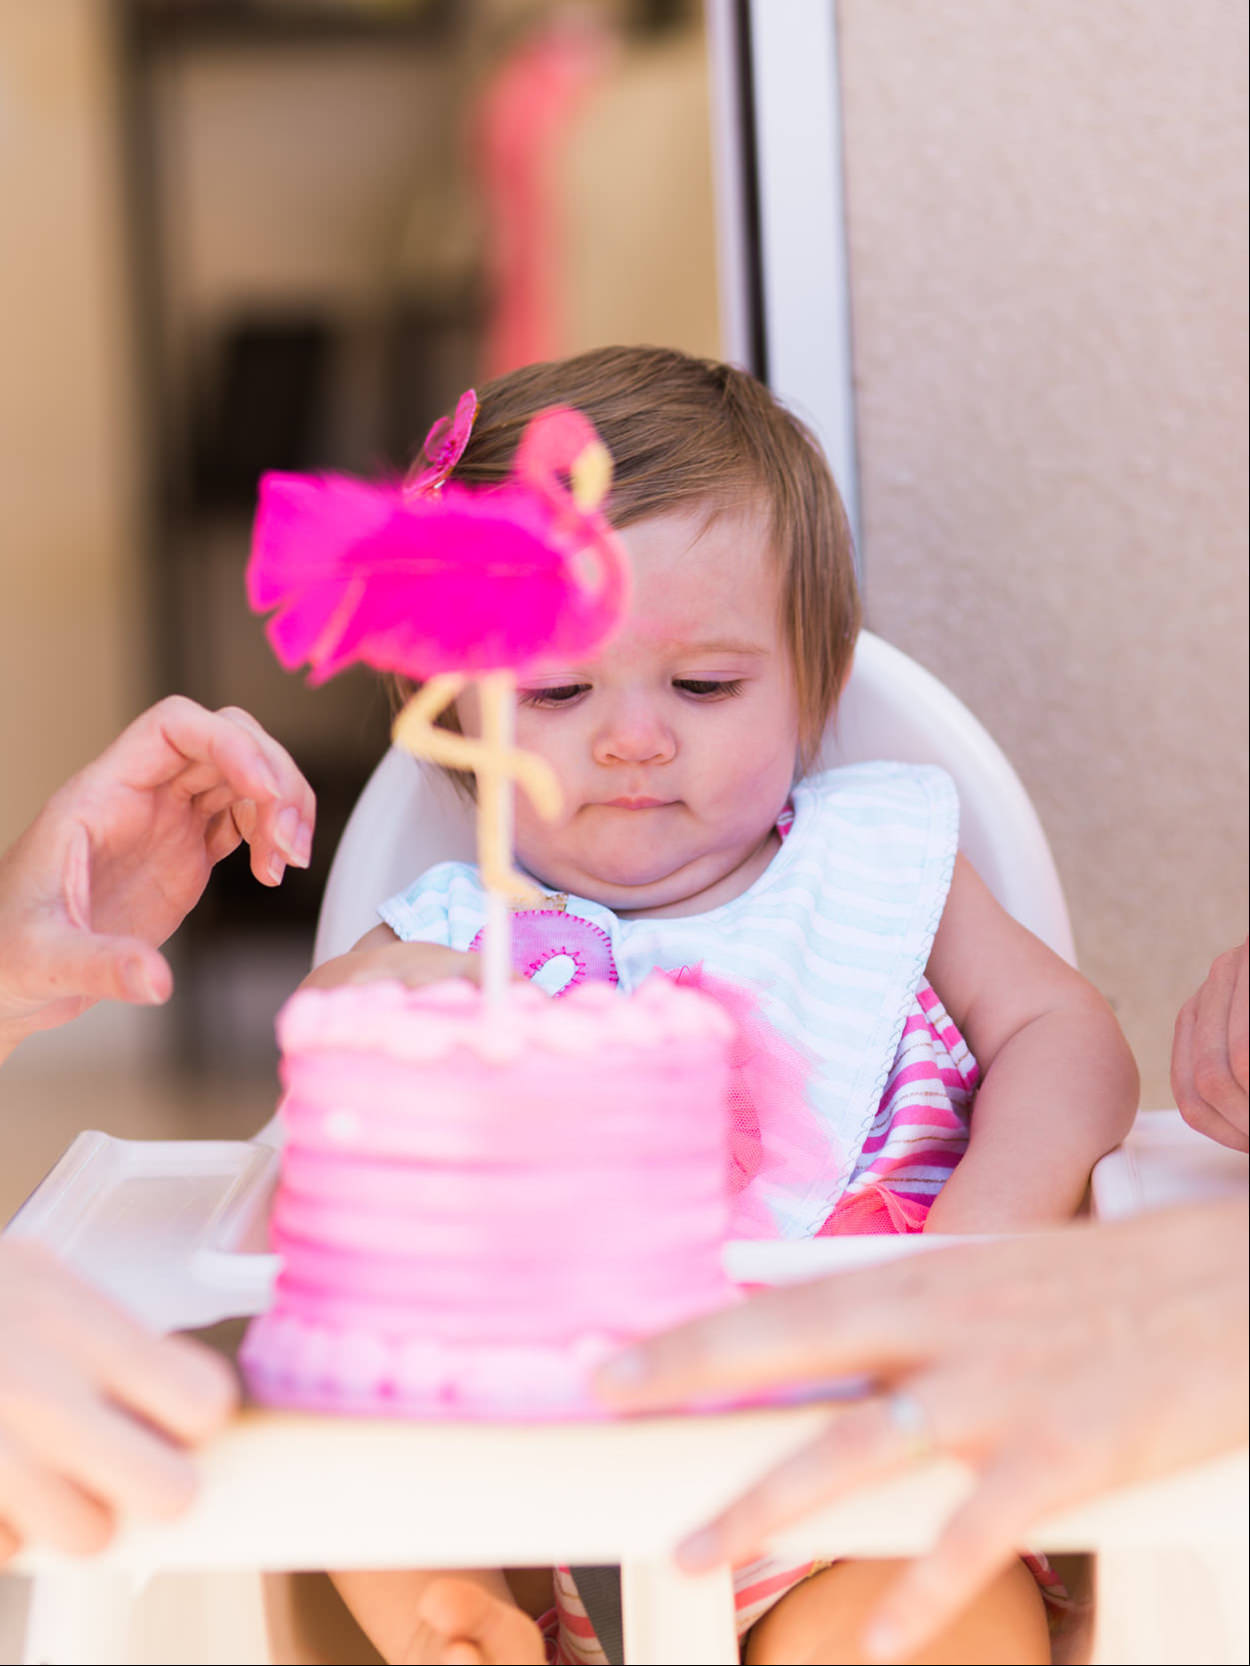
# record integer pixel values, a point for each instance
(1211, 1053)
(1057, 1365)
(97, 1415)
(120, 855)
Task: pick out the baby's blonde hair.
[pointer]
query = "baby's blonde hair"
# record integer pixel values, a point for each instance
(685, 432)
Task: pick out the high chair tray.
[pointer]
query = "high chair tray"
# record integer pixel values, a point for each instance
(175, 1230)
(172, 1229)
(1164, 1161)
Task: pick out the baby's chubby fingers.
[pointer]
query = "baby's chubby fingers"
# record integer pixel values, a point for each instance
(381, 958)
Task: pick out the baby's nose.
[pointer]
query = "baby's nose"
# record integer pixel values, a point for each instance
(634, 735)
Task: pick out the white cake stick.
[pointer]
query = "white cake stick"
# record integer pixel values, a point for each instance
(495, 825)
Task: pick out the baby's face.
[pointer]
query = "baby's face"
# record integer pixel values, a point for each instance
(676, 747)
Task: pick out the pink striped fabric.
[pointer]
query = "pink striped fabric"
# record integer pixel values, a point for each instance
(920, 1130)
(570, 1639)
(570, 1635)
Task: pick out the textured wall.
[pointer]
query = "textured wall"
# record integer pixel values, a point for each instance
(1047, 207)
(68, 574)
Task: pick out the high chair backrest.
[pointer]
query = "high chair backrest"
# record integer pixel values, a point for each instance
(411, 814)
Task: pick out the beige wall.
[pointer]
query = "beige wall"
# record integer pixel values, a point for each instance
(68, 575)
(1047, 217)
(638, 228)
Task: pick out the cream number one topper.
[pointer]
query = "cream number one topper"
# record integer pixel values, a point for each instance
(449, 585)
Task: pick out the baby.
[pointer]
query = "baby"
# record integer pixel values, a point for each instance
(696, 833)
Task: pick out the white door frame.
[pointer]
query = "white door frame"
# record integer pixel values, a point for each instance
(777, 159)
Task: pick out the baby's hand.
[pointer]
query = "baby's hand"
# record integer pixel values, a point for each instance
(462, 1621)
(380, 955)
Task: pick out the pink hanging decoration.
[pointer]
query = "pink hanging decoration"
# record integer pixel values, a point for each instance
(523, 123)
(774, 1136)
(439, 578)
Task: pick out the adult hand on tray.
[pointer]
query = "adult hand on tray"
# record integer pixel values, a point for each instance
(120, 855)
(1058, 1366)
(97, 1415)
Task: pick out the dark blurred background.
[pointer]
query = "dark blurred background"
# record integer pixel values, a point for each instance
(257, 234)
(323, 204)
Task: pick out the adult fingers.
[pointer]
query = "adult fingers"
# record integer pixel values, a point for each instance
(98, 1450)
(978, 1541)
(67, 962)
(177, 743)
(1202, 1082)
(278, 832)
(223, 835)
(1239, 1023)
(804, 1334)
(178, 740)
(183, 1390)
(862, 1443)
(283, 828)
(1213, 1068)
(42, 1505)
(177, 1387)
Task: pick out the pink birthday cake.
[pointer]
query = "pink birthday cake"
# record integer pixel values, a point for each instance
(473, 1212)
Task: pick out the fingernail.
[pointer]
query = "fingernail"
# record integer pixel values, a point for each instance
(286, 831)
(277, 867)
(303, 845)
(264, 776)
(139, 984)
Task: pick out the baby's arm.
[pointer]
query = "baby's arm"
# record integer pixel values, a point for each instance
(380, 954)
(1059, 1085)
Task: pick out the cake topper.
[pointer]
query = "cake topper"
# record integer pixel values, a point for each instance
(447, 585)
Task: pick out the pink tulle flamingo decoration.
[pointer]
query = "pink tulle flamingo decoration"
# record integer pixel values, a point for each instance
(446, 585)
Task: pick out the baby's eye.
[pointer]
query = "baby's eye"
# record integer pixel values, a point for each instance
(708, 688)
(559, 696)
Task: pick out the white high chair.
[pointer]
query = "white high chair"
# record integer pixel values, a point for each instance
(175, 1230)
(410, 815)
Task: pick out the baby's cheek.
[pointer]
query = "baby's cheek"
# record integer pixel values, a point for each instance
(756, 773)
(536, 840)
(560, 752)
